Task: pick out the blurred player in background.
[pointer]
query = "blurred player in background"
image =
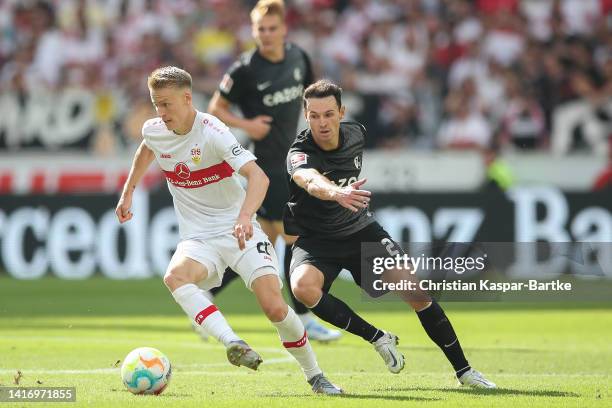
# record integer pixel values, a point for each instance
(267, 83)
(200, 158)
(329, 212)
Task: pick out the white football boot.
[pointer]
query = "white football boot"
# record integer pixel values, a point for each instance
(475, 379)
(321, 385)
(386, 347)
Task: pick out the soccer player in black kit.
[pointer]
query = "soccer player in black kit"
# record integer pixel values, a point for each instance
(267, 83)
(328, 210)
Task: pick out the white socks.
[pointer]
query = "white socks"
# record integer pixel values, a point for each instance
(290, 330)
(204, 313)
(293, 335)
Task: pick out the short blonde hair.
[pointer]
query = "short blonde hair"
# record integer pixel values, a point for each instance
(169, 77)
(268, 8)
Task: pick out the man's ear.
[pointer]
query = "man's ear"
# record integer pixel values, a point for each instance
(342, 111)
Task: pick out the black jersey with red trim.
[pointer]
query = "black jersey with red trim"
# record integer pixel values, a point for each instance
(306, 215)
(261, 87)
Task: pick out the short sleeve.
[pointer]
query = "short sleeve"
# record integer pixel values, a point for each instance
(298, 159)
(232, 85)
(147, 128)
(145, 138)
(226, 145)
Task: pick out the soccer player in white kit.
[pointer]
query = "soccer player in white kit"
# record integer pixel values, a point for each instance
(200, 158)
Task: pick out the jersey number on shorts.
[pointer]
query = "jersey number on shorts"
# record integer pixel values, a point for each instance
(390, 246)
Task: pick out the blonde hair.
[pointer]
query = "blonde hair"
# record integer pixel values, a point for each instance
(169, 77)
(268, 8)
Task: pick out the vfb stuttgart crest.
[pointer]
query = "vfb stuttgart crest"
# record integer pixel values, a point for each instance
(182, 170)
(196, 154)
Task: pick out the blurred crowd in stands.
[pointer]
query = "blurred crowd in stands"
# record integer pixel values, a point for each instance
(420, 74)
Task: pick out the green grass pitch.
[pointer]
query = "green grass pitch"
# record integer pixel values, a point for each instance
(72, 333)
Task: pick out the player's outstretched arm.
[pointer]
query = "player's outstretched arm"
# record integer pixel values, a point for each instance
(257, 186)
(319, 186)
(256, 128)
(142, 159)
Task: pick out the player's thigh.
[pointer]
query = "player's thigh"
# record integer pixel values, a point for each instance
(274, 229)
(185, 267)
(307, 275)
(379, 244)
(311, 268)
(266, 286)
(280, 229)
(201, 256)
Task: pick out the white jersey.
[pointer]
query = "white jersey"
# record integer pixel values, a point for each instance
(200, 168)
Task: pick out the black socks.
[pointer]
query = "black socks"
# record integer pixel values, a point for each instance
(336, 312)
(440, 331)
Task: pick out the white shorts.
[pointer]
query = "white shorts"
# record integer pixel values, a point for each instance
(257, 259)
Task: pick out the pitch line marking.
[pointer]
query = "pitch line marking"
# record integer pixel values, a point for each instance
(284, 360)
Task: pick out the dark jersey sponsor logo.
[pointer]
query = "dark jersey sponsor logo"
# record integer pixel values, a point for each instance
(283, 96)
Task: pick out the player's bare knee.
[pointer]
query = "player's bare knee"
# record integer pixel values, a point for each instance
(267, 289)
(175, 278)
(275, 311)
(306, 292)
(299, 291)
(306, 284)
(273, 305)
(171, 281)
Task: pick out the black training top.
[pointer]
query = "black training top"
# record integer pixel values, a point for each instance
(306, 215)
(260, 87)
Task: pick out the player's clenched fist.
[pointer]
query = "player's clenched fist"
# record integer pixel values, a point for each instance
(123, 208)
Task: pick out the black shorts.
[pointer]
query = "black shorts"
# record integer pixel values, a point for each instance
(278, 193)
(332, 255)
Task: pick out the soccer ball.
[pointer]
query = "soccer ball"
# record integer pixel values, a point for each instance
(146, 370)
